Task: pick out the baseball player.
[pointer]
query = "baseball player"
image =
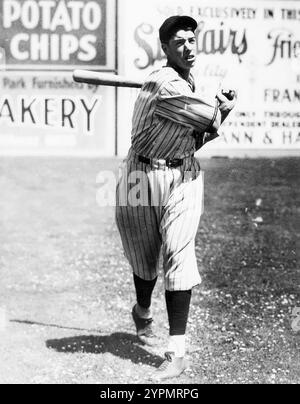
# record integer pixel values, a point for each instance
(170, 123)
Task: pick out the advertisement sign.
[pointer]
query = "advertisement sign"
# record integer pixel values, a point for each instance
(252, 47)
(58, 34)
(49, 113)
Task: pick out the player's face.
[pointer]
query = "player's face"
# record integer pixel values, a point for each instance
(181, 49)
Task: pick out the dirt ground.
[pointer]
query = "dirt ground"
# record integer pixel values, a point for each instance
(66, 290)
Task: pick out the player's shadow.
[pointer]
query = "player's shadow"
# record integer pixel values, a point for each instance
(125, 346)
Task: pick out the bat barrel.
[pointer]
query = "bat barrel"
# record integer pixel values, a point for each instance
(104, 79)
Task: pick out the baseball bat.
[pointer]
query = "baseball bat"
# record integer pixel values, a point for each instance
(105, 79)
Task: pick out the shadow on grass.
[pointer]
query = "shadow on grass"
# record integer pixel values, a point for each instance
(123, 345)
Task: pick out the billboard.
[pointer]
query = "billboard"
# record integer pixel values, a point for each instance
(58, 34)
(253, 47)
(42, 112)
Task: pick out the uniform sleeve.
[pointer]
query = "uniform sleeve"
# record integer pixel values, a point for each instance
(177, 103)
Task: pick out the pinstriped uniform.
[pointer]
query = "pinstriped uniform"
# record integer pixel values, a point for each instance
(167, 123)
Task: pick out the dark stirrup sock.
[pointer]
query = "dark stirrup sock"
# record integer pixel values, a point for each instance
(144, 291)
(178, 306)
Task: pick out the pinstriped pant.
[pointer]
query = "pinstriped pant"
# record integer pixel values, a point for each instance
(165, 218)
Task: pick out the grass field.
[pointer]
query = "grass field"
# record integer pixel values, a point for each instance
(67, 291)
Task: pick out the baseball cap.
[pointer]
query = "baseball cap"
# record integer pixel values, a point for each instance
(174, 23)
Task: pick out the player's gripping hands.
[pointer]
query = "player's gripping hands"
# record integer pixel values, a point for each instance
(227, 100)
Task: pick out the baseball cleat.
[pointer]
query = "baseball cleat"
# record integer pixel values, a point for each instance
(144, 329)
(170, 368)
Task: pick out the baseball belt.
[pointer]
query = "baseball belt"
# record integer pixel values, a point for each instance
(161, 163)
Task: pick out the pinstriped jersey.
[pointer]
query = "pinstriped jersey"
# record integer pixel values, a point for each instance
(168, 119)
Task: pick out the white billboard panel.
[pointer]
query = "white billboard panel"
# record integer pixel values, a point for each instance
(251, 46)
(48, 113)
